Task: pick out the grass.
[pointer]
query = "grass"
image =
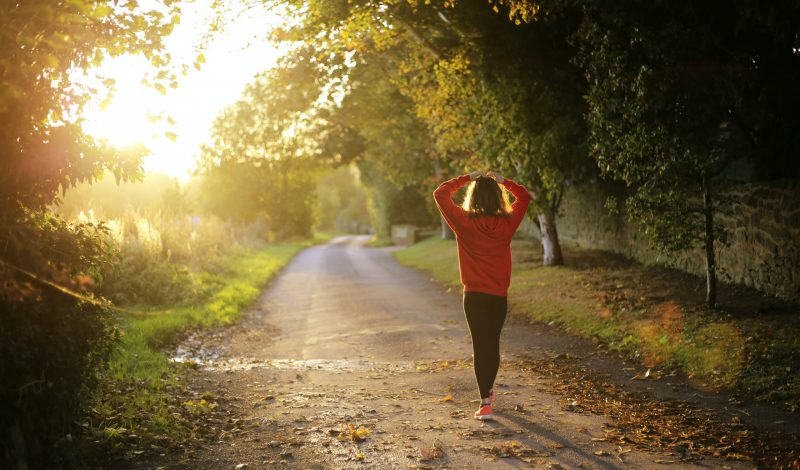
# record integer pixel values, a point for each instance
(138, 404)
(654, 315)
(376, 242)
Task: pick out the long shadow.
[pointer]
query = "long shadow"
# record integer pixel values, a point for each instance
(534, 428)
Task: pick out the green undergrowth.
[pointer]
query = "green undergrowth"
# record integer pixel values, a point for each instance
(376, 242)
(654, 315)
(138, 407)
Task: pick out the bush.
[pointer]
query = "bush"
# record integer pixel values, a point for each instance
(53, 339)
(50, 351)
(137, 280)
(158, 255)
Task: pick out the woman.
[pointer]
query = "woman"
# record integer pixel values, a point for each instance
(483, 228)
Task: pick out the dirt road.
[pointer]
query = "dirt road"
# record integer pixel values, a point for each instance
(353, 361)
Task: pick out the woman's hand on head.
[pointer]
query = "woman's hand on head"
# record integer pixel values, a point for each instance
(495, 177)
(476, 174)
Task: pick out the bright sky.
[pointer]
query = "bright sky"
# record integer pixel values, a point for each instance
(232, 59)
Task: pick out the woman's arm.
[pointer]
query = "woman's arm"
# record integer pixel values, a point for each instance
(453, 215)
(522, 199)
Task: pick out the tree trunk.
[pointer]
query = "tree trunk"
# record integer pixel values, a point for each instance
(711, 262)
(447, 232)
(550, 245)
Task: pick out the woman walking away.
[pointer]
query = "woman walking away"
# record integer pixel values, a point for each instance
(484, 227)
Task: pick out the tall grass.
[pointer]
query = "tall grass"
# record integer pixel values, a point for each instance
(161, 257)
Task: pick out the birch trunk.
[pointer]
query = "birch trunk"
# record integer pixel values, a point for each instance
(550, 246)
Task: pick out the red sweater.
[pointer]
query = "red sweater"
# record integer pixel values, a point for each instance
(484, 243)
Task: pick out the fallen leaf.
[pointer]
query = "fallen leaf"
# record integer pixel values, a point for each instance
(354, 433)
(431, 453)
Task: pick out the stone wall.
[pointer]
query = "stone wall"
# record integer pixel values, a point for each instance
(763, 224)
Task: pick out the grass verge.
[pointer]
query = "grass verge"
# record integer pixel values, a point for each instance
(376, 242)
(654, 315)
(138, 408)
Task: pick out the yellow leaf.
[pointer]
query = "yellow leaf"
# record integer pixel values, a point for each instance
(101, 11)
(52, 61)
(448, 397)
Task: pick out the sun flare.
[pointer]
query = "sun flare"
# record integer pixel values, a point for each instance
(129, 117)
(173, 125)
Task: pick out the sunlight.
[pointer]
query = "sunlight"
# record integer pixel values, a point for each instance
(175, 124)
(125, 120)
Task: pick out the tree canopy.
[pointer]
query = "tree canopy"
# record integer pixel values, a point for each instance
(489, 92)
(676, 98)
(52, 335)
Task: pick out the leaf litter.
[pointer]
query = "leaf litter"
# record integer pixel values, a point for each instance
(681, 430)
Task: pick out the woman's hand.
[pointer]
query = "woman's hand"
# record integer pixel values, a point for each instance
(476, 174)
(495, 177)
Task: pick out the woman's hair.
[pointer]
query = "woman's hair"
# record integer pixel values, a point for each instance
(486, 198)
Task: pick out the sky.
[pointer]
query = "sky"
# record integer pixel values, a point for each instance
(232, 58)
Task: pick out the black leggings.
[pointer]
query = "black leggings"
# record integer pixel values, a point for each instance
(485, 314)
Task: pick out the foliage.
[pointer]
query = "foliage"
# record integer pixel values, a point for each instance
(105, 199)
(389, 204)
(53, 343)
(342, 201)
(143, 280)
(265, 151)
(675, 98)
(158, 255)
(397, 161)
(516, 107)
(50, 350)
(41, 143)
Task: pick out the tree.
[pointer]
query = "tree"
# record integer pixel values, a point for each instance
(517, 106)
(53, 342)
(268, 146)
(397, 160)
(678, 91)
(43, 150)
(42, 147)
(343, 201)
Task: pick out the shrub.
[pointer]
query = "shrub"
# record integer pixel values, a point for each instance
(52, 341)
